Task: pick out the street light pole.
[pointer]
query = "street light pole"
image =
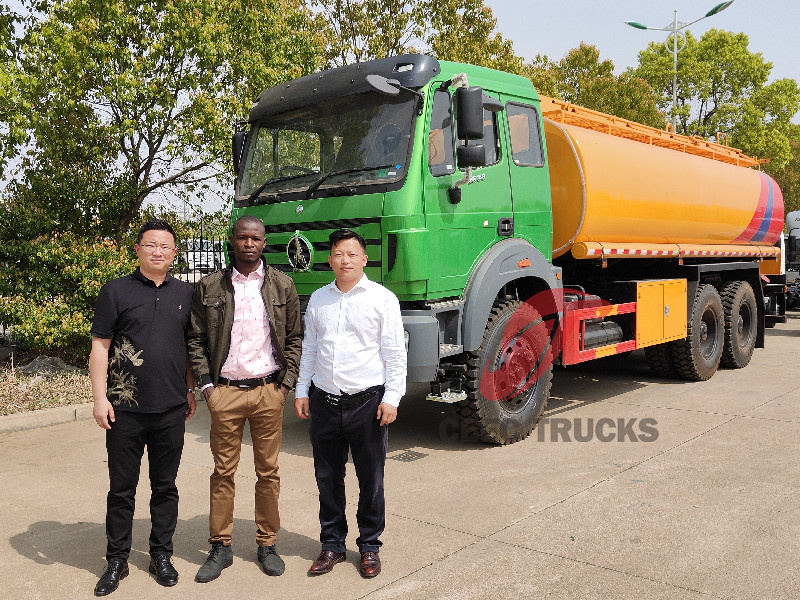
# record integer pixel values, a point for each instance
(674, 28)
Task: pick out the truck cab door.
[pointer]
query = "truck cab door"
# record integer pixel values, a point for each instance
(461, 233)
(528, 173)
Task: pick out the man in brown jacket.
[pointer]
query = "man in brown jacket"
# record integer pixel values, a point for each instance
(245, 348)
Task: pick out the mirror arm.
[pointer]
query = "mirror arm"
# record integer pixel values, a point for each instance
(454, 193)
(455, 190)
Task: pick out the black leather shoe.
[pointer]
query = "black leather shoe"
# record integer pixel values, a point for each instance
(117, 569)
(161, 567)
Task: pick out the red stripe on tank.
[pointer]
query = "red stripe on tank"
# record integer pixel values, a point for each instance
(776, 222)
(758, 215)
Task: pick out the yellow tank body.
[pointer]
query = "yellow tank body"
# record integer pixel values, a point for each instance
(611, 189)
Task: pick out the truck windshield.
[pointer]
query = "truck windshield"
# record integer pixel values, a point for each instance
(349, 139)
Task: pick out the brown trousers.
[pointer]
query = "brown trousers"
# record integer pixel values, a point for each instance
(230, 407)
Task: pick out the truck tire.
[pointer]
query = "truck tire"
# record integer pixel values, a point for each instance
(697, 357)
(527, 358)
(741, 324)
(659, 360)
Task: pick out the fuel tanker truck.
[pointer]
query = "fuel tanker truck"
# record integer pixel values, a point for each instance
(518, 232)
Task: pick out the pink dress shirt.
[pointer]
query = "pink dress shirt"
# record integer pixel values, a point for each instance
(251, 353)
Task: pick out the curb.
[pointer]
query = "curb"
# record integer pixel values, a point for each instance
(45, 417)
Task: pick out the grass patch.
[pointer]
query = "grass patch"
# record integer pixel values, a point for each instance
(21, 393)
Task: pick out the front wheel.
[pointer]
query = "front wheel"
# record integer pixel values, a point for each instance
(509, 377)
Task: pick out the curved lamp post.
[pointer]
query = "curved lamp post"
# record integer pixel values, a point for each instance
(675, 28)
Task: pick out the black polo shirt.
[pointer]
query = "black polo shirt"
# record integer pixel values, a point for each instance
(147, 326)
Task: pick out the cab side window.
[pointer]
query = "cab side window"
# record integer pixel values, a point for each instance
(440, 138)
(490, 139)
(526, 141)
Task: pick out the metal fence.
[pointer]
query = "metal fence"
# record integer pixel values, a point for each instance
(198, 257)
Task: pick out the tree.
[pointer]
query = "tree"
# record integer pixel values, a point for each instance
(104, 104)
(582, 78)
(458, 30)
(9, 119)
(788, 176)
(128, 97)
(464, 31)
(361, 30)
(722, 87)
(543, 72)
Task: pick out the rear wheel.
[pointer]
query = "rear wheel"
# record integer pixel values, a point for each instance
(509, 377)
(741, 324)
(697, 357)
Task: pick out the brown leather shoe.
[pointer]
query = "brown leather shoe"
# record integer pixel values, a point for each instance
(325, 562)
(370, 564)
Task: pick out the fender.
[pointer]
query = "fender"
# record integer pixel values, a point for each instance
(495, 269)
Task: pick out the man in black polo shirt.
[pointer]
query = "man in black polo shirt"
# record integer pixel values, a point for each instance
(143, 393)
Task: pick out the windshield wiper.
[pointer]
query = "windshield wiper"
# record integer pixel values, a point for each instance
(254, 195)
(315, 186)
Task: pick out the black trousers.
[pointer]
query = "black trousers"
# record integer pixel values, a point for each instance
(334, 431)
(162, 433)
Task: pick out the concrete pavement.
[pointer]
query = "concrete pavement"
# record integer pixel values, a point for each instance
(701, 505)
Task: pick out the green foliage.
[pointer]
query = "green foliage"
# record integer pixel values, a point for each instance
(123, 98)
(788, 175)
(457, 30)
(582, 78)
(543, 72)
(10, 120)
(464, 31)
(722, 86)
(50, 285)
(103, 104)
(361, 30)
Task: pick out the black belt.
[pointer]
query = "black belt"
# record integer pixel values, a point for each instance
(247, 384)
(349, 399)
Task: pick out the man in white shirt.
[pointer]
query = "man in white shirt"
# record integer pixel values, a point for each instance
(352, 376)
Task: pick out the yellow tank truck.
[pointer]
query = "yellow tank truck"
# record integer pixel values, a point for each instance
(683, 219)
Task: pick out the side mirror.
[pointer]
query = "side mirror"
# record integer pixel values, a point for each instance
(237, 145)
(471, 156)
(469, 113)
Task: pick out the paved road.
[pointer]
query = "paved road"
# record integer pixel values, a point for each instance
(707, 508)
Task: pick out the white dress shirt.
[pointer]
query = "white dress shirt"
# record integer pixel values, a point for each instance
(353, 341)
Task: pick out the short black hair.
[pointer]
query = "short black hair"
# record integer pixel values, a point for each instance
(346, 234)
(156, 225)
(246, 219)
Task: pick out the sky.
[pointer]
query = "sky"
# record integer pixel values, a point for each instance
(539, 27)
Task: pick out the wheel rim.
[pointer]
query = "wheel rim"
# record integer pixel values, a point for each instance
(744, 326)
(709, 334)
(519, 360)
